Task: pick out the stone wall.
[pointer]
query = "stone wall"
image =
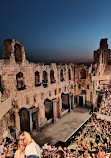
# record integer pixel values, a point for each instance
(18, 80)
(29, 84)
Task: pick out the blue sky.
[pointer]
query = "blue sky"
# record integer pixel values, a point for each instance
(56, 30)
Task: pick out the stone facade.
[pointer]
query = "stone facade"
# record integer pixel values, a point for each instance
(30, 85)
(39, 94)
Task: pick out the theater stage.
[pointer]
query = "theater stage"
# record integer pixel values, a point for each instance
(63, 128)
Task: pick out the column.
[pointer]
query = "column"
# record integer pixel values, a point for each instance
(52, 102)
(69, 100)
(30, 114)
(72, 102)
(38, 121)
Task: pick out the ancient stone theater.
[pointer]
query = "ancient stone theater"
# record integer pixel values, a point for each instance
(34, 94)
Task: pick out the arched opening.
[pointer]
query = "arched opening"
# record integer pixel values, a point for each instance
(52, 80)
(18, 53)
(37, 79)
(99, 99)
(61, 76)
(65, 101)
(24, 119)
(12, 119)
(48, 109)
(45, 79)
(83, 92)
(83, 74)
(20, 81)
(1, 86)
(69, 74)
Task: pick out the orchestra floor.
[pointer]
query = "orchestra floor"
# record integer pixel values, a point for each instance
(63, 128)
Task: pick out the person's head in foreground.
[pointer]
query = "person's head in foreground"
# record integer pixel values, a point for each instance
(60, 154)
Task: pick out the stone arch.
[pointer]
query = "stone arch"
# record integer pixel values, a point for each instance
(48, 109)
(52, 80)
(69, 74)
(18, 53)
(13, 47)
(20, 81)
(83, 74)
(45, 79)
(24, 119)
(61, 75)
(7, 49)
(37, 79)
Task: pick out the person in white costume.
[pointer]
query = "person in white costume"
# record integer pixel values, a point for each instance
(32, 149)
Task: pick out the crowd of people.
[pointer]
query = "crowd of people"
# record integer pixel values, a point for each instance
(25, 146)
(96, 133)
(92, 140)
(105, 107)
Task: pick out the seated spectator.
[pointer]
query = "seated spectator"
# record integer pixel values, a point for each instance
(32, 149)
(21, 147)
(60, 154)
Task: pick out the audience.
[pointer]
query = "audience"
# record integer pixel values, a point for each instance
(92, 140)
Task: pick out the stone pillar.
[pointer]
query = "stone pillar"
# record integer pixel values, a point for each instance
(58, 109)
(48, 77)
(84, 97)
(52, 102)
(72, 102)
(38, 121)
(30, 114)
(17, 120)
(60, 105)
(69, 100)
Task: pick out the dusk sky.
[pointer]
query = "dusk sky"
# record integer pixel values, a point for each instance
(56, 30)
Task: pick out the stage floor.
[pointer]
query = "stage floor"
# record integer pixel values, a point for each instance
(63, 128)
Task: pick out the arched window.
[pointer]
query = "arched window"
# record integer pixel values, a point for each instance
(83, 92)
(37, 79)
(45, 79)
(20, 81)
(52, 80)
(1, 85)
(69, 74)
(83, 73)
(61, 76)
(18, 53)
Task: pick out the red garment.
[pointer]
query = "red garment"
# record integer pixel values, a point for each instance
(101, 154)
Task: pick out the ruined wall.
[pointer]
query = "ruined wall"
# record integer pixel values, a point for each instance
(102, 59)
(104, 51)
(28, 85)
(83, 83)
